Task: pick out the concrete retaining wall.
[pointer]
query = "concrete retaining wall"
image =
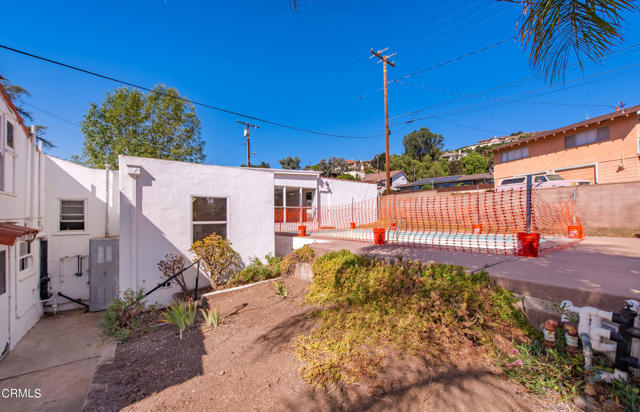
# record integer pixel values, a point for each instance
(604, 206)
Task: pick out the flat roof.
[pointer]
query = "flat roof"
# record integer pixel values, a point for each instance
(448, 179)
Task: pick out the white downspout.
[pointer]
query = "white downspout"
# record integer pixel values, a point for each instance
(106, 202)
(134, 172)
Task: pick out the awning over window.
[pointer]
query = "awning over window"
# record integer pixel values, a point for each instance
(10, 232)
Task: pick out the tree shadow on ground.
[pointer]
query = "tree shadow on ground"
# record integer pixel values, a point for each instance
(408, 385)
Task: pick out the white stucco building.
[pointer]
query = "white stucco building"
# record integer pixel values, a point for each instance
(20, 221)
(74, 237)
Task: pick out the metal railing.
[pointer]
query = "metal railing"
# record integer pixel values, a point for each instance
(180, 272)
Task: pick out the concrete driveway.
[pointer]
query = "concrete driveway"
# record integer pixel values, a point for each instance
(58, 356)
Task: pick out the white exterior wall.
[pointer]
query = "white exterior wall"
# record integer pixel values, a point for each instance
(20, 306)
(397, 180)
(335, 192)
(155, 215)
(69, 181)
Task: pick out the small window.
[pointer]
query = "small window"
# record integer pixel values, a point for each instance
(570, 141)
(24, 256)
(514, 154)
(72, 215)
(9, 134)
(603, 133)
(1, 172)
(586, 137)
(513, 181)
(209, 215)
(278, 197)
(3, 272)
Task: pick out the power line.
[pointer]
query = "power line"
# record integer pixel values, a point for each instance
(470, 127)
(455, 59)
(62, 119)
(479, 96)
(113, 79)
(505, 85)
(484, 106)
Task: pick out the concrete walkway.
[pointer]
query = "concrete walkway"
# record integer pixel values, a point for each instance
(599, 271)
(58, 356)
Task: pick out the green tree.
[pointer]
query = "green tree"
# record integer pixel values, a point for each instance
(456, 168)
(423, 142)
(261, 165)
(555, 30)
(379, 161)
(290, 163)
(332, 167)
(475, 163)
(159, 124)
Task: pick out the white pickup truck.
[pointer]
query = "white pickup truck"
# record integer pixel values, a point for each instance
(539, 182)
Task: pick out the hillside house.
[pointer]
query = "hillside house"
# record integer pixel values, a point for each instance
(604, 149)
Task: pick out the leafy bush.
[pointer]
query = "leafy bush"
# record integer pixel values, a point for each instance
(211, 317)
(257, 271)
(219, 259)
(122, 315)
(181, 314)
(304, 254)
(172, 264)
(367, 305)
(540, 369)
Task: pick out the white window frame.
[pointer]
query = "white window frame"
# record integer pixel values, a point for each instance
(27, 257)
(85, 214)
(208, 222)
(8, 122)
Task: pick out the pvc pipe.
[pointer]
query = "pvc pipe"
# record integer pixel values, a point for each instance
(597, 334)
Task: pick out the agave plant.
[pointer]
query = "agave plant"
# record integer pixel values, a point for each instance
(211, 317)
(181, 314)
(281, 289)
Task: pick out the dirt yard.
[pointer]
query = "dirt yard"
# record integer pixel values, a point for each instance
(247, 364)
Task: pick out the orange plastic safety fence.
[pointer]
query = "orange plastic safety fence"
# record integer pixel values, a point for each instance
(485, 222)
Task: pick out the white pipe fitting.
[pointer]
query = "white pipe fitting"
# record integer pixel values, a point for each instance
(597, 335)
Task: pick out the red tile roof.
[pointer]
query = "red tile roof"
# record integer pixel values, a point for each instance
(9, 232)
(13, 108)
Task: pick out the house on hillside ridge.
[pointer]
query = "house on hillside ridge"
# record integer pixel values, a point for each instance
(398, 178)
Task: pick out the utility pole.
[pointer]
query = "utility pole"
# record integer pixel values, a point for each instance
(385, 60)
(247, 127)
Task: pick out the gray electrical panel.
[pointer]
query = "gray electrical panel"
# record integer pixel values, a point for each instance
(103, 272)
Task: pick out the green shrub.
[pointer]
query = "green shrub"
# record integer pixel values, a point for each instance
(122, 315)
(257, 271)
(367, 305)
(218, 257)
(181, 314)
(304, 254)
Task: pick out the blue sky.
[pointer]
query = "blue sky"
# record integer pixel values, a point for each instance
(308, 68)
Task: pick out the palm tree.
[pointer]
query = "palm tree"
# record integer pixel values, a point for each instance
(16, 94)
(554, 30)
